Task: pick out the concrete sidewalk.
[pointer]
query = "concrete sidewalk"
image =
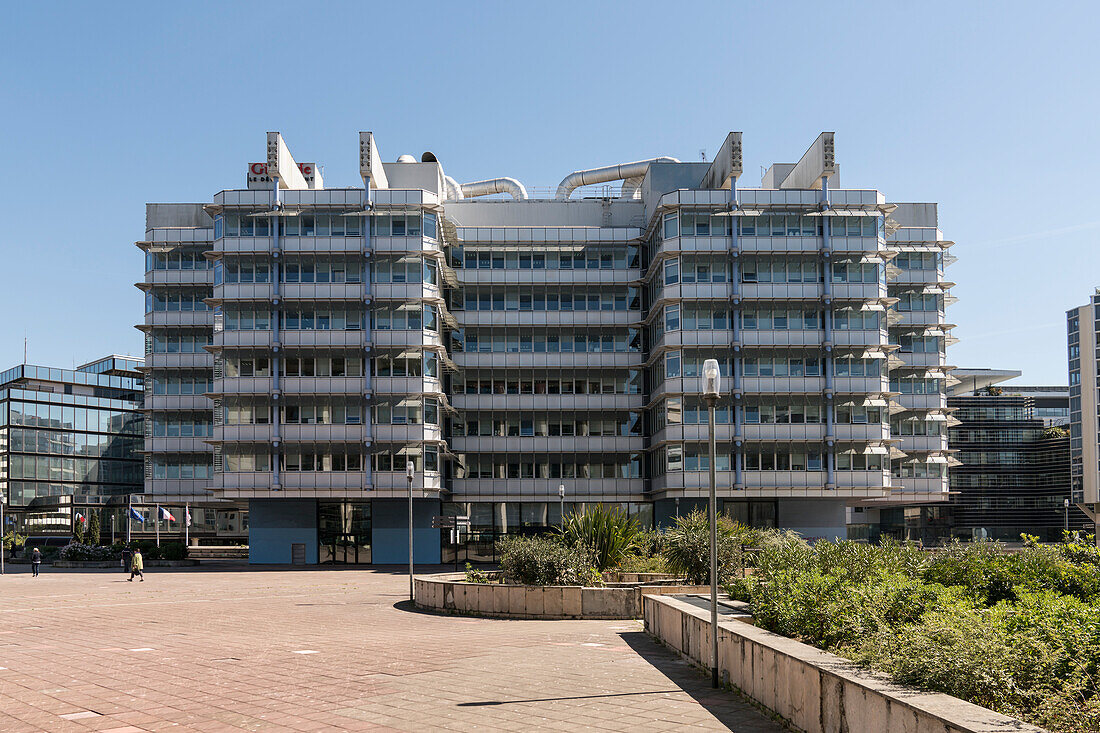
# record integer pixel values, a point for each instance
(225, 649)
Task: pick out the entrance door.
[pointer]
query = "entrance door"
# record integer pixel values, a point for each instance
(344, 532)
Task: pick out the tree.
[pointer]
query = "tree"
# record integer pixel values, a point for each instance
(93, 527)
(78, 529)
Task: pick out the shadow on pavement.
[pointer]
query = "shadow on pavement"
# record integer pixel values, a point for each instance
(731, 708)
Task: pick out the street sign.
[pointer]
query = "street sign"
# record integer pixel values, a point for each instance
(442, 522)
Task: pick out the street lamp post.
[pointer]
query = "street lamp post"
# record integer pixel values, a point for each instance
(1065, 504)
(712, 385)
(409, 476)
(561, 497)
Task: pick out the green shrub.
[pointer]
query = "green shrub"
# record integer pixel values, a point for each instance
(94, 524)
(11, 539)
(686, 547)
(634, 563)
(608, 533)
(546, 561)
(648, 543)
(81, 552)
(473, 575)
(150, 551)
(1018, 632)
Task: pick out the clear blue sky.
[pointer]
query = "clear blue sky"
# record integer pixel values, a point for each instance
(990, 109)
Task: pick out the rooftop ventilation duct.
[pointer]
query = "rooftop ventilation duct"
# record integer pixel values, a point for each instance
(631, 173)
(510, 186)
(452, 188)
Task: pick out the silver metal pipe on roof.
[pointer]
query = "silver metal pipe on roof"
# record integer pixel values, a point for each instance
(452, 188)
(510, 186)
(621, 172)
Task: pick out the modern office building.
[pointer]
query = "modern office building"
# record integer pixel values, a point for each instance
(1082, 326)
(516, 344)
(178, 328)
(70, 442)
(1011, 466)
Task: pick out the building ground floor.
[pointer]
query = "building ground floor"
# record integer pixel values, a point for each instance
(360, 532)
(136, 516)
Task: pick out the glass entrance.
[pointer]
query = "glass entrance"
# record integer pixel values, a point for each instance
(344, 532)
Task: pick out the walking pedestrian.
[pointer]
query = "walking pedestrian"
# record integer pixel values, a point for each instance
(136, 566)
(127, 554)
(36, 561)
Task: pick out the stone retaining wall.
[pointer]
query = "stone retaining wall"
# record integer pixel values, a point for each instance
(813, 690)
(449, 593)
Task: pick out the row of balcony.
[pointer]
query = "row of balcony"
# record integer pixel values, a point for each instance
(873, 432)
(264, 340)
(295, 244)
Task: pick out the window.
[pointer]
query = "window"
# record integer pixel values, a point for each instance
(672, 318)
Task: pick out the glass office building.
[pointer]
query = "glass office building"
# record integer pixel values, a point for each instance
(514, 345)
(70, 441)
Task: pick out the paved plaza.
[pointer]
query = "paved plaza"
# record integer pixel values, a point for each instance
(307, 650)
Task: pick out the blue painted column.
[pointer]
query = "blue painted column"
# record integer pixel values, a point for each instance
(276, 419)
(735, 325)
(827, 359)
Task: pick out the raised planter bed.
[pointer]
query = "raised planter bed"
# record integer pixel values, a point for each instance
(450, 593)
(117, 564)
(815, 691)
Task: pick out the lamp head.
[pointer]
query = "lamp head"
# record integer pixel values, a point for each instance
(409, 470)
(712, 378)
(1065, 503)
(561, 490)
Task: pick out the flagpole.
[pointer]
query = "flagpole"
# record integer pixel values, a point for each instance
(186, 525)
(157, 525)
(129, 512)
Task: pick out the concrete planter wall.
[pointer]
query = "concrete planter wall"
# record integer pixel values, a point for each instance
(815, 691)
(449, 593)
(117, 564)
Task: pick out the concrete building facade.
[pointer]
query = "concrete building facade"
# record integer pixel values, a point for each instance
(518, 346)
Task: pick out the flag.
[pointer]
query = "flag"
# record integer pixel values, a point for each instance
(165, 514)
(188, 511)
(79, 517)
(135, 514)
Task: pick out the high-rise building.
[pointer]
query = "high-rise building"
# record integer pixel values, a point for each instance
(70, 442)
(529, 351)
(1083, 325)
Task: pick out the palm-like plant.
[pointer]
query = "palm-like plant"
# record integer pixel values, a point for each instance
(608, 534)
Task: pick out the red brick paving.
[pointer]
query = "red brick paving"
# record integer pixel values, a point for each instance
(215, 650)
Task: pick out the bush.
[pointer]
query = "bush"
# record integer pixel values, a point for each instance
(473, 575)
(546, 561)
(11, 539)
(607, 533)
(94, 523)
(686, 548)
(648, 543)
(80, 551)
(1018, 632)
(150, 551)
